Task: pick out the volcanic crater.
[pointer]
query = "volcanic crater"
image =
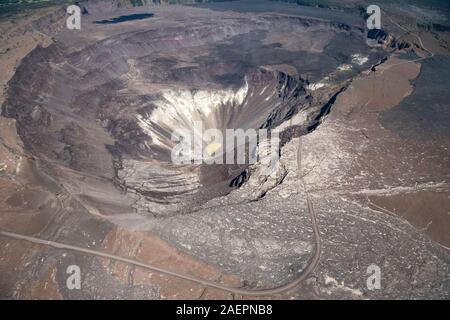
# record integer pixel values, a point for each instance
(86, 146)
(104, 102)
(106, 107)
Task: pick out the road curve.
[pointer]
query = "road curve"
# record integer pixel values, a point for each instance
(314, 261)
(431, 54)
(241, 291)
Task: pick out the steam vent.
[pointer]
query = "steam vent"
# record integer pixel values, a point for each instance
(87, 146)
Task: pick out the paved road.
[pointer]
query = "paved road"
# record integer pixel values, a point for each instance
(241, 291)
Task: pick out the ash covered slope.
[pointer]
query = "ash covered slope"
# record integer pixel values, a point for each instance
(95, 110)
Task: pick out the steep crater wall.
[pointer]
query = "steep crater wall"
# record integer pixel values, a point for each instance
(106, 104)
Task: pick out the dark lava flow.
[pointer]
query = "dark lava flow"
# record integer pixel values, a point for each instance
(128, 17)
